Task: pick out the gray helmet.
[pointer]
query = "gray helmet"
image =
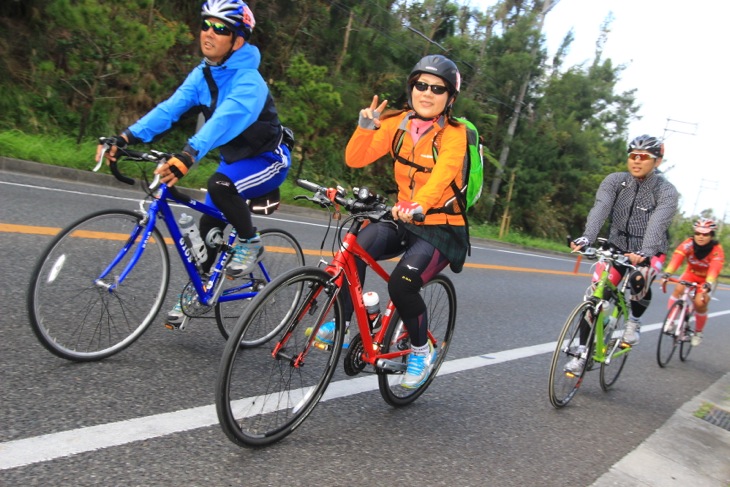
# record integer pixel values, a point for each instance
(440, 66)
(235, 13)
(648, 143)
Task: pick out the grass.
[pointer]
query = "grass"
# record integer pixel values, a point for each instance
(64, 151)
(704, 410)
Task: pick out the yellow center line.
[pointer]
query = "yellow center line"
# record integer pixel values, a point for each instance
(51, 231)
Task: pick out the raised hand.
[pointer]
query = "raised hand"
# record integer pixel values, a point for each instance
(370, 116)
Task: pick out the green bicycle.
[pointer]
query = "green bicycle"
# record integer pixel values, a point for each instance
(593, 332)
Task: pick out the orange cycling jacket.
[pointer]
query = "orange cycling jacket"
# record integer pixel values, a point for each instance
(698, 270)
(428, 189)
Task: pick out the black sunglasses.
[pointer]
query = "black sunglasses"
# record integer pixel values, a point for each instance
(435, 89)
(218, 28)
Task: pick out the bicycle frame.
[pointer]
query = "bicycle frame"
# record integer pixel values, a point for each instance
(603, 286)
(343, 266)
(160, 206)
(688, 305)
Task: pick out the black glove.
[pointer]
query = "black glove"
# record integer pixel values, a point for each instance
(119, 141)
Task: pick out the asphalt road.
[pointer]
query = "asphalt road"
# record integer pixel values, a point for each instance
(145, 416)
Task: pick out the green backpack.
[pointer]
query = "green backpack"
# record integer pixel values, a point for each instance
(473, 171)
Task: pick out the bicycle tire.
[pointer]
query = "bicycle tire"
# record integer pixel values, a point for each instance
(439, 295)
(72, 316)
(685, 346)
(282, 253)
(562, 385)
(612, 339)
(264, 393)
(668, 341)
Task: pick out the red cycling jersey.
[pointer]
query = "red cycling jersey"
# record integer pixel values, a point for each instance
(698, 270)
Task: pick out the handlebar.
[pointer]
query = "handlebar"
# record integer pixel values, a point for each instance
(678, 281)
(154, 156)
(364, 202)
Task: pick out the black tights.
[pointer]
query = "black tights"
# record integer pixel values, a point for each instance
(420, 262)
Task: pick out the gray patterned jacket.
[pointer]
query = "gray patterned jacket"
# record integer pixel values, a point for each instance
(640, 211)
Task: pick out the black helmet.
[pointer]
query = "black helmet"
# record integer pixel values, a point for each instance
(440, 66)
(647, 143)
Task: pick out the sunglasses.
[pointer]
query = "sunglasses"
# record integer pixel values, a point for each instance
(642, 157)
(435, 89)
(218, 28)
(700, 234)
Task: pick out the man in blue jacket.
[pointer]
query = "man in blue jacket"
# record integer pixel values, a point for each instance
(241, 120)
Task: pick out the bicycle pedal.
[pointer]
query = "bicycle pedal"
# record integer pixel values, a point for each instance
(624, 345)
(177, 326)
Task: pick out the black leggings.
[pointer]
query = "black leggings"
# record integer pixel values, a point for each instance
(226, 198)
(420, 262)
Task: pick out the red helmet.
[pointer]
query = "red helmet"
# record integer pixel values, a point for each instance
(705, 225)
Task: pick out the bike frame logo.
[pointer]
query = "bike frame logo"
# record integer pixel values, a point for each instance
(188, 252)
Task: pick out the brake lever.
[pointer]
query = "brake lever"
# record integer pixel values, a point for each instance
(156, 180)
(101, 158)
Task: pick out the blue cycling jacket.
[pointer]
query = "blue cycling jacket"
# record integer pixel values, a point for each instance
(240, 114)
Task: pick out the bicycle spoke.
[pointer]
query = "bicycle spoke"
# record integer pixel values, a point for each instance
(564, 382)
(282, 253)
(79, 317)
(440, 298)
(263, 393)
(668, 338)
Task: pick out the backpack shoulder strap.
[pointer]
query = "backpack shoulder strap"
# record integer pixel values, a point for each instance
(398, 143)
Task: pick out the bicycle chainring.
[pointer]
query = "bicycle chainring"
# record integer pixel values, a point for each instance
(353, 362)
(190, 304)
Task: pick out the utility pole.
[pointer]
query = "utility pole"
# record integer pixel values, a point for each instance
(504, 154)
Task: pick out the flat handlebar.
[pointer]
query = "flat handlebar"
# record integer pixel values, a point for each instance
(363, 202)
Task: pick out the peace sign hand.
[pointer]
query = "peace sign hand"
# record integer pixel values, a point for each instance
(370, 117)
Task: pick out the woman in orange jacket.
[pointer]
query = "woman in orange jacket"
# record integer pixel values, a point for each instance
(705, 259)
(412, 136)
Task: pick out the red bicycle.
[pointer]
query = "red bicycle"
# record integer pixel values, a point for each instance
(264, 393)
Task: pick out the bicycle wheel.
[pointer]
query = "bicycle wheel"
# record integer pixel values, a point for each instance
(685, 344)
(282, 253)
(563, 385)
(79, 316)
(440, 298)
(612, 338)
(264, 393)
(667, 336)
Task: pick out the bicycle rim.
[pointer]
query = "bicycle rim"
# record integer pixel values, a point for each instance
(282, 253)
(563, 385)
(440, 298)
(264, 393)
(613, 365)
(79, 319)
(667, 338)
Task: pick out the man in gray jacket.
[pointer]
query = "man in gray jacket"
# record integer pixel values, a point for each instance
(641, 204)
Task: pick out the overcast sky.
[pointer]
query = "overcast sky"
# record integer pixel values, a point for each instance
(675, 55)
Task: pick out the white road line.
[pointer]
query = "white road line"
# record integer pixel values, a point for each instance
(18, 453)
(136, 200)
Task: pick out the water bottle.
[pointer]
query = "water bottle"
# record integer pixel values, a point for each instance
(372, 306)
(609, 323)
(192, 235)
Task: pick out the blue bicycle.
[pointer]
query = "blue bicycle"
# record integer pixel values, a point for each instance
(103, 279)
